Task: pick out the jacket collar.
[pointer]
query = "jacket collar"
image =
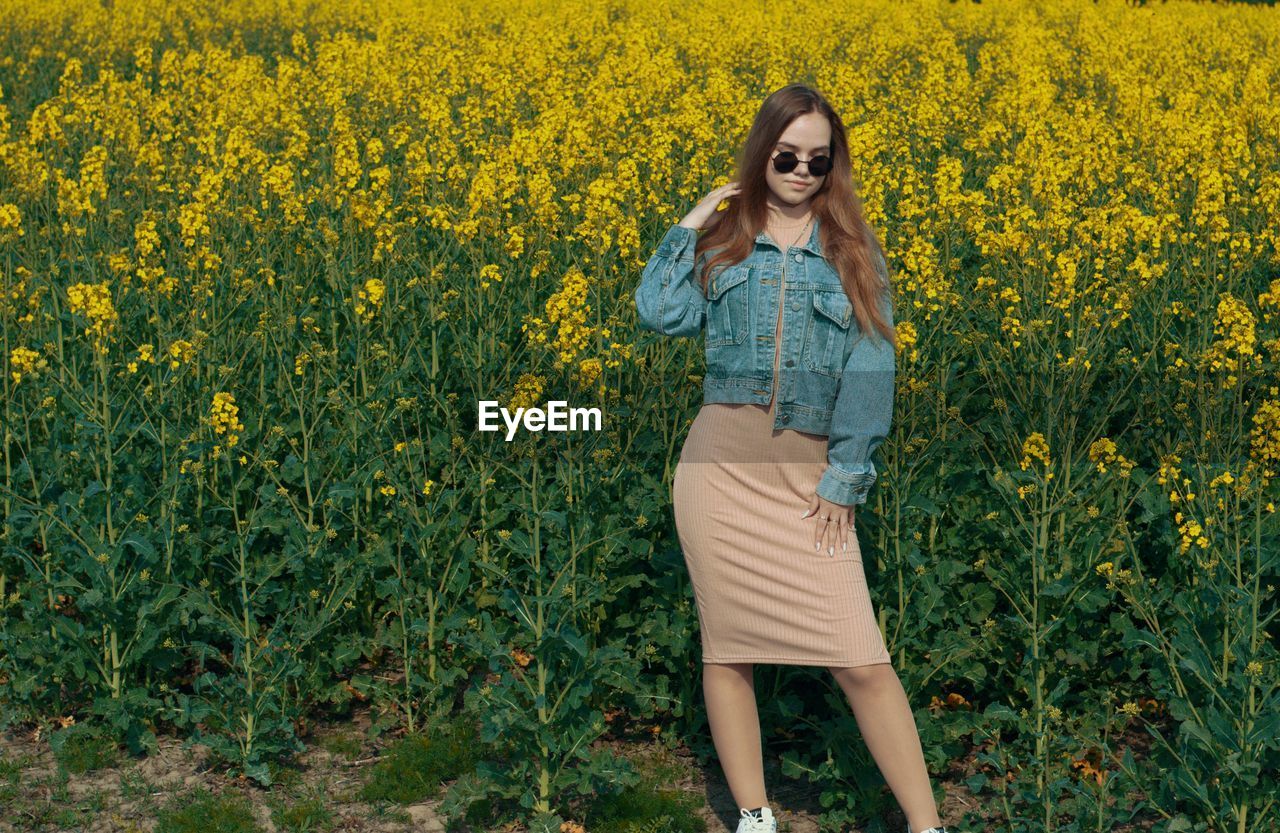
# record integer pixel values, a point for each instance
(813, 246)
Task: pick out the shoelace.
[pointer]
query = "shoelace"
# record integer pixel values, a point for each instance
(756, 822)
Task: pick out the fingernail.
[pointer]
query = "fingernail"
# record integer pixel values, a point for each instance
(844, 547)
(806, 514)
(831, 551)
(817, 547)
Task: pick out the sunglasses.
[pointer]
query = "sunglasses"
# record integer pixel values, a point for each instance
(784, 162)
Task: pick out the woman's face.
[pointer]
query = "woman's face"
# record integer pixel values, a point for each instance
(807, 136)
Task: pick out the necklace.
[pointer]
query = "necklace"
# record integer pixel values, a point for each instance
(798, 225)
(804, 226)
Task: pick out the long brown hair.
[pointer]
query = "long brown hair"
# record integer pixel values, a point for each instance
(846, 237)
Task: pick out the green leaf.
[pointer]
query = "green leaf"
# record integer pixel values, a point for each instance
(1138, 638)
(259, 773)
(140, 544)
(923, 503)
(520, 543)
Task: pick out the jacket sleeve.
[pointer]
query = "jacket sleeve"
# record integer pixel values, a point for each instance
(862, 414)
(668, 299)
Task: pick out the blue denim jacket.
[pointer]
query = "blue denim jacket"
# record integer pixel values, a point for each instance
(833, 381)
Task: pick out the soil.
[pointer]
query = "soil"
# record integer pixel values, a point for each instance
(127, 797)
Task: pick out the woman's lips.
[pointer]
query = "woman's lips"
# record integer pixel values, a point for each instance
(799, 185)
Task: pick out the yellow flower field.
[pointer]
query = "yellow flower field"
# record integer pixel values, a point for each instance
(259, 262)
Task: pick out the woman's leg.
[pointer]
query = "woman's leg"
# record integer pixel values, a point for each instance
(889, 729)
(730, 692)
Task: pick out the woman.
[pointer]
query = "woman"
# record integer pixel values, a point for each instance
(791, 291)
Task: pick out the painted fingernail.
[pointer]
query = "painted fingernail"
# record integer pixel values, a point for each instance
(844, 547)
(831, 551)
(817, 547)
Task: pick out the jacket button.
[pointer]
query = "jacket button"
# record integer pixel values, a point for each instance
(786, 417)
(795, 305)
(791, 363)
(799, 258)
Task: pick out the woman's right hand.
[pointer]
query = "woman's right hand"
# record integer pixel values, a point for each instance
(705, 211)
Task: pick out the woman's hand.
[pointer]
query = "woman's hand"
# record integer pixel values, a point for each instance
(705, 210)
(832, 523)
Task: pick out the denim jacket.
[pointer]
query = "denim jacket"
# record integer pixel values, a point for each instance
(832, 380)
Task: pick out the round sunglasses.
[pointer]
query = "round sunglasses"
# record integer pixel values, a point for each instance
(784, 162)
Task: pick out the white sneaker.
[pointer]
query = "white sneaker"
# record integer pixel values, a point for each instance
(748, 823)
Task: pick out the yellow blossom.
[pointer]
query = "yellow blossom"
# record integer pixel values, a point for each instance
(1034, 446)
(224, 416)
(180, 351)
(93, 300)
(26, 362)
(369, 299)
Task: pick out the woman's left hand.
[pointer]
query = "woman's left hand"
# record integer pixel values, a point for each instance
(832, 522)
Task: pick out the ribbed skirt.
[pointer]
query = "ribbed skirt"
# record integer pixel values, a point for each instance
(763, 594)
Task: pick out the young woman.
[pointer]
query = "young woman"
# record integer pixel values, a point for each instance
(791, 291)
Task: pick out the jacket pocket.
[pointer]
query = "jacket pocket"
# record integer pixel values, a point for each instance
(727, 307)
(828, 331)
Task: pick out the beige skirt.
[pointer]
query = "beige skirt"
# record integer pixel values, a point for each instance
(763, 594)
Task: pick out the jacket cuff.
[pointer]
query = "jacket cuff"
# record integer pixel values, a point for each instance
(845, 487)
(677, 242)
